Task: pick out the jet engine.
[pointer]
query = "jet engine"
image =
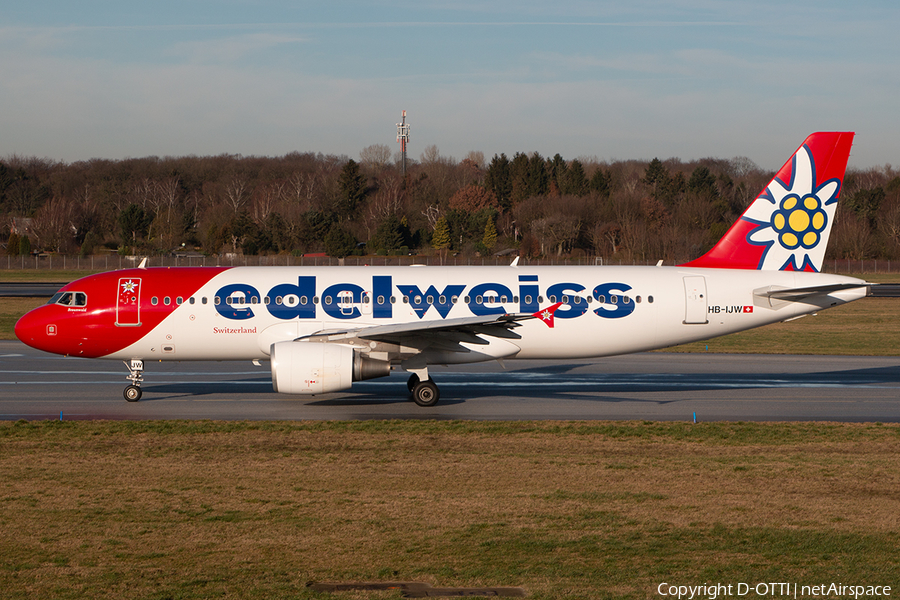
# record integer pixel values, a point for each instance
(315, 368)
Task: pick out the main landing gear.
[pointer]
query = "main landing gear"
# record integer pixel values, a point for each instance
(424, 393)
(136, 377)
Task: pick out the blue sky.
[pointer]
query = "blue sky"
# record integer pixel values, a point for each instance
(612, 80)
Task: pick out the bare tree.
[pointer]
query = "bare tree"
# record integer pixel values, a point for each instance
(237, 192)
(375, 158)
(53, 226)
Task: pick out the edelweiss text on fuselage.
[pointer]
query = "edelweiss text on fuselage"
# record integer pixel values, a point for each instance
(347, 300)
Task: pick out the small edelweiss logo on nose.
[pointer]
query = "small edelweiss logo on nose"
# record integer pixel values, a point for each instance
(799, 223)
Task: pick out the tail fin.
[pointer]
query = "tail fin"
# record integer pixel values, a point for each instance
(787, 227)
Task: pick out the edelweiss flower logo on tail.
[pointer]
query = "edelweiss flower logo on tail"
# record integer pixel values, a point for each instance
(792, 221)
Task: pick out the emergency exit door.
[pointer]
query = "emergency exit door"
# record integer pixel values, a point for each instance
(695, 303)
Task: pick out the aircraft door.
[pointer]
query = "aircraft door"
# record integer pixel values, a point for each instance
(695, 302)
(348, 303)
(128, 303)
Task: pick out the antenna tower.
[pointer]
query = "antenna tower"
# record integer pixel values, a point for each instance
(403, 137)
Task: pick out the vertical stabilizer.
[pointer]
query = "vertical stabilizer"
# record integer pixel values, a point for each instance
(787, 227)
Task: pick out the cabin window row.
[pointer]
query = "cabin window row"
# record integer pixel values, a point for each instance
(381, 300)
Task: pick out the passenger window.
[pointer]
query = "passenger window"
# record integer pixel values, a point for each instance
(179, 300)
(380, 300)
(203, 300)
(191, 300)
(217, 301)
(154, 300)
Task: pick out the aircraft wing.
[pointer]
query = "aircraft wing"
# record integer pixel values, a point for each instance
(444, 334)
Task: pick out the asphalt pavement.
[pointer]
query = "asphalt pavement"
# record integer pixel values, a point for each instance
(651, 386)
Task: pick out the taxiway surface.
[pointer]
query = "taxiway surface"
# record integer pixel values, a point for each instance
(652, 386)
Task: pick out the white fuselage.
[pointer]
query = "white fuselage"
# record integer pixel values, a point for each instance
(241, 312)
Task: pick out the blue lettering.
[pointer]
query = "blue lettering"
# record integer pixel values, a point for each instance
(343, 300)
(421, 302)
(305, 288)
(490, 289)
(339, 299)
(528, 294)
(382, 289)
(236, 300)
(570, 309)
(615, 306)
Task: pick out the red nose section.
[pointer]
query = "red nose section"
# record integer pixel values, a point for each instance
(40, 328)
(111, 314)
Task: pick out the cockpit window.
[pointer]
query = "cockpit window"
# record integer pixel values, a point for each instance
(69, 299)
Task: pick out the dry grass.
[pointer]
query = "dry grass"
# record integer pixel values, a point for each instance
(869, 327)
(565, 510)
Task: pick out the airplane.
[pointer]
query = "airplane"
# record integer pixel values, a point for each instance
(323, 328)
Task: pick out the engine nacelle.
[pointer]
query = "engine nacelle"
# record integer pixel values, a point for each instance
(314, 368)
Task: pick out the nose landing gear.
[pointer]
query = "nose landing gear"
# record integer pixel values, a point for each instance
(136, 377)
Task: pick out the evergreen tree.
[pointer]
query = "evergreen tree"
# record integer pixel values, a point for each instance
(703, 182)
(134, 222)
(490, 235)
(538, 178)
(24, 245)
(497, 179)
(389, 235)
(601, 183)
(656, 173)
(12, 246)
(575, 182)
(339, 243)
(441, 238)
(352, 190)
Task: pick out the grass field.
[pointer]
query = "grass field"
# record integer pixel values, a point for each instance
(565, 510)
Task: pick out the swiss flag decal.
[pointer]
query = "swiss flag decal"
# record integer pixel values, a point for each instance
(748, 309)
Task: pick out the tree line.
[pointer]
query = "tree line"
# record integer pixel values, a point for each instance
(301, 203)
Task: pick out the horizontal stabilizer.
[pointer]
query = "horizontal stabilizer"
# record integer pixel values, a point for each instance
(798, 294)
